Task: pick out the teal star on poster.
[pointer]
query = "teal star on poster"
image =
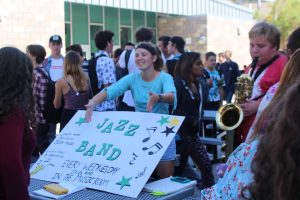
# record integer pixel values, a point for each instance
(124, 182)
(80, 121)
(163, 120)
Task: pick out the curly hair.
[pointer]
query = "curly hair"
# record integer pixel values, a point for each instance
(102, 38)
(16, 84)
(276, 165)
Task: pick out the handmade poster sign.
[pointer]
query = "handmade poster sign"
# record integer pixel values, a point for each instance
(116, 152)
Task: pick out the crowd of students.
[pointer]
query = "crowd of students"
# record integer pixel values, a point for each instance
(160, 79)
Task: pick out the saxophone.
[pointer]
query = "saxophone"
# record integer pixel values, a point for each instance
(230, 116)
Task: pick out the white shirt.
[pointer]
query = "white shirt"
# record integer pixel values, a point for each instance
(132, 68)
(56, 69)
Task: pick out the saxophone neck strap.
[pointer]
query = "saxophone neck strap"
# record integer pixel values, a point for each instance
(262, 68)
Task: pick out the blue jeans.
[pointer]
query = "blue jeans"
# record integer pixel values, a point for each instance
(229, 94)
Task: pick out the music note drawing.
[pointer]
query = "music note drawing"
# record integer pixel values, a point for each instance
(153, 149)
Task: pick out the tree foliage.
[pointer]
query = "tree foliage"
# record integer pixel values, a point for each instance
(285, 15)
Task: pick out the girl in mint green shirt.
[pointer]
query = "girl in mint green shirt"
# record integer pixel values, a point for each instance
(152, 91)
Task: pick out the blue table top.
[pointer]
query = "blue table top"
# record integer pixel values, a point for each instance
(90, 194)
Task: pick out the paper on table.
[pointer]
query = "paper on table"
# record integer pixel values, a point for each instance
(72, 189)
(166, 186)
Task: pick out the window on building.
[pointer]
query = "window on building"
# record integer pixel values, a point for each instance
(154, 35)
(93, 30)
(67, 34)
(125, 35)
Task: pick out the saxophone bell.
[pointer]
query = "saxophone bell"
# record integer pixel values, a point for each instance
(230, 116)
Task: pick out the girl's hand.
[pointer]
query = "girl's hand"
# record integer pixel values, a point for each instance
(153, 98)
(89, 111)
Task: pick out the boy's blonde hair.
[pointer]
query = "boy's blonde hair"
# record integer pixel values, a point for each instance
(267, 30)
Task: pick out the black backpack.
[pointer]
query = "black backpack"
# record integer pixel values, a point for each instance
(123, 72)
(50, 113)
(93, 74)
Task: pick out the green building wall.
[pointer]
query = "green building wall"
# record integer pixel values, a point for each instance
(82, 21)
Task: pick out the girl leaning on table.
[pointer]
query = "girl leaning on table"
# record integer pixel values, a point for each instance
(152, 91)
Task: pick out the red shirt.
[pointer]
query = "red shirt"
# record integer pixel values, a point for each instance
(16, 145)
(268, 78)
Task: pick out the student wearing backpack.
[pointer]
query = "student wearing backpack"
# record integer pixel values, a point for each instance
(152, 90)
(127, 60)
(73, 88)
(102, 68)
(37, 54)
(54, 68)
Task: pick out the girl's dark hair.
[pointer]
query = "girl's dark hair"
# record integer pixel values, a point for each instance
(276, 165)
(294, 41)
(184, 65)
(16, 84)
(158, 64)
(37, 51)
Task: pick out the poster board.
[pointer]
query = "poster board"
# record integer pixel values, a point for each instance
(116, 152)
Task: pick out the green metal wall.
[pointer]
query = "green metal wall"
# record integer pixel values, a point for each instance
(111, 19)
(80, 28)
(83, 20)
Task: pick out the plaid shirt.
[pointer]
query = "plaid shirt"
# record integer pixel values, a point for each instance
(39, 92)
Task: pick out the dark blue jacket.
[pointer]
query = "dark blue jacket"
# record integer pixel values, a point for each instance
(230, 71)
(188, 104)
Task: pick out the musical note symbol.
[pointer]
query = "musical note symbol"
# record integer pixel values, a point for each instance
(152, 129)
(141, 173)
(157, 146)
(134, 158)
